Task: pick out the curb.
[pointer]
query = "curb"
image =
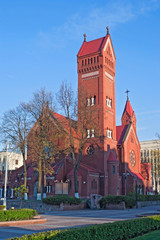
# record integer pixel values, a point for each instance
(22, 222)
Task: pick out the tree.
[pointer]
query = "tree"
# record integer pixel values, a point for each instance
(15, 128)
(80, 117)
(39, 138)
(19, 192)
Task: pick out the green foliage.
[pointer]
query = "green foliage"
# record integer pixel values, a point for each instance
(18, 214)
(19, 192)
(142, 198)
(149, 236)
(129, 201)
(2, 207)
(110, 231)
(58, 199)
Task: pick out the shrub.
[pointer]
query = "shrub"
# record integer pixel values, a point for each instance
(18, 214)
(2, 207)
(129, 201)
(58, 199)
(110, 231)
(145, 197)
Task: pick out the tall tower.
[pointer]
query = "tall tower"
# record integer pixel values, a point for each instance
(96, 74)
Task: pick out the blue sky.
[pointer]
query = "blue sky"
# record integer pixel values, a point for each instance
(39, 40)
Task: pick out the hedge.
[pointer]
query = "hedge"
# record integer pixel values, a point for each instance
(110, 231)
(148, 198)
(58, 199)
(130, 201)
(18, 214)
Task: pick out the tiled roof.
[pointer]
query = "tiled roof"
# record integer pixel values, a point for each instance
(128, 108)
(92, 46)
(137, 175)
(120, 133)
(64, 122)
(88, 168)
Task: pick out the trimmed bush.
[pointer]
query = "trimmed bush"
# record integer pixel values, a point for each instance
(18, 214)
(129, 201)
(58, 199)
(2, 207)
(111, 231)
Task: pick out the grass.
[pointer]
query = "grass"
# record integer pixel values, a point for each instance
(155, 235)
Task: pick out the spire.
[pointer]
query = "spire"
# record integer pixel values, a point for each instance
(107, 30)
(127, 91)
(85, 37)
(128, 108)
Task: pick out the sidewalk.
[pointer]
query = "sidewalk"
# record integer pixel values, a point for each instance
(77, 218)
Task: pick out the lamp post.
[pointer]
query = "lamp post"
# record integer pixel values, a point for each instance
(136, 193)
(125, 177)
(5, 179)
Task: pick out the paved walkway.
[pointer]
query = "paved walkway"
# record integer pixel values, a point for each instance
(67, 219)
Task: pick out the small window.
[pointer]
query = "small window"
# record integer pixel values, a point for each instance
(113, 169)
(91, 60)
(97, 59)
(88, 133)
(94, 100)
(16, 162)
(82, 62)
(92, 135)
(85, 61)
(109, 102)
(109, 133)
(88, 101)
(88, 61)
(94, 59)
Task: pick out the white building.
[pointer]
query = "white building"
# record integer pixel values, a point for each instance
(150, 152)
(15, 160)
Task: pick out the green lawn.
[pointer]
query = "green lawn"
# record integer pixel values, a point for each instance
(155, 235)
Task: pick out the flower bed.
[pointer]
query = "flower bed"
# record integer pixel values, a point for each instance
(18, 214)
(58, 199)
(106, 200)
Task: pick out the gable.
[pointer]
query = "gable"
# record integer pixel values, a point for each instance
(134, 134)
(109, 44)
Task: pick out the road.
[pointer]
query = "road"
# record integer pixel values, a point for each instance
(77, 218)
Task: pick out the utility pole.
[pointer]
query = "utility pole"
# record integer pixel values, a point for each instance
(5, 179)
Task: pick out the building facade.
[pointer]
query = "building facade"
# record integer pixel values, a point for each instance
(15, 160)
(110, 162)
(150, 153)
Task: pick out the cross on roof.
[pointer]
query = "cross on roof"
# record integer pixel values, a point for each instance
(127, 91)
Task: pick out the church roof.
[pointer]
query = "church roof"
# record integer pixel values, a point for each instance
(65, 123)
(120, 133)
(91, 46)
(128, 108)
(136, 175)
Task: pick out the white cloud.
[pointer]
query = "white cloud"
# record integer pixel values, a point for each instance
(94, 21)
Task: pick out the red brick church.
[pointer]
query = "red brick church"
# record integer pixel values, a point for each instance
(114, 168)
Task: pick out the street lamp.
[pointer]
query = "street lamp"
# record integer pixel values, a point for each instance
(136, 192)
(5, 179)
(125, 177)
